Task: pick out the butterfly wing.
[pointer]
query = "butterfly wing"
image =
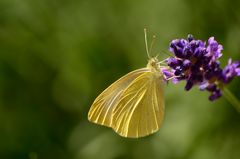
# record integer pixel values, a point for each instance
(140, 109)
(101, 109)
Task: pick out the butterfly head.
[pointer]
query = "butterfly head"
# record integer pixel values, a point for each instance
(153, 64)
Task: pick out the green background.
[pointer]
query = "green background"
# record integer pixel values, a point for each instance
(56, 56)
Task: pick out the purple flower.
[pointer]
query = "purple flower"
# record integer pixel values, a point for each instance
(214, 49)
(189, 85)
(199, 65)
(167, 74)
(178, 47)
(215, 95)
(173, 62)
(230, 71)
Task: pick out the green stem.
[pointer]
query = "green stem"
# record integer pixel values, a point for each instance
(231, 98)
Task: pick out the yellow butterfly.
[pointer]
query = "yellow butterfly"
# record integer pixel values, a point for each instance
(133, 106)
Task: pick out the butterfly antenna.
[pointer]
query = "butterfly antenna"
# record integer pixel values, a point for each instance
(152, 43)
(146, 44)
(166, 53)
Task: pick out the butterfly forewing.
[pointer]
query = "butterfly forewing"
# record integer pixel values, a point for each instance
(101, 109)
(140, 109)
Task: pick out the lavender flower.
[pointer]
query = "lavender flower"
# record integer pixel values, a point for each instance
(230, 71)
(198, 64)
(214, 49)
(167, 74)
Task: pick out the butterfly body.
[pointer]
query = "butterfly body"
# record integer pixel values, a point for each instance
(133, 105)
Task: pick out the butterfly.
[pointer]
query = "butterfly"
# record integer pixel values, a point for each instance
(133, 106)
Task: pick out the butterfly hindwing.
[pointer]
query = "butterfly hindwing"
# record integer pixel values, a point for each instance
(140, 109)
(101, 109)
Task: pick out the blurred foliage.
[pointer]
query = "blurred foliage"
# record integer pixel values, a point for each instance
(57, 56)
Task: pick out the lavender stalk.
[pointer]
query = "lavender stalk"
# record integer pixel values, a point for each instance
(231, 98)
